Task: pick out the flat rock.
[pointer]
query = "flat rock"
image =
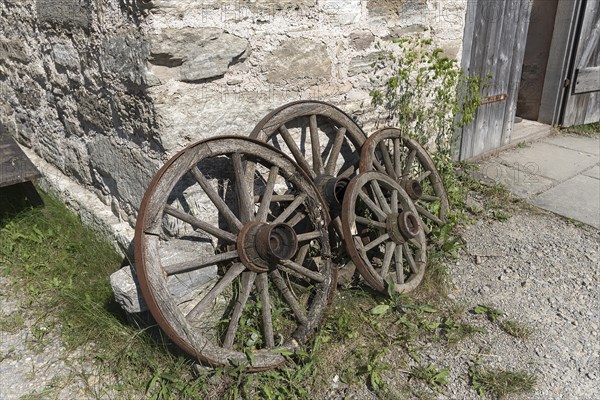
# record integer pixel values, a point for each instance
(197, 53)
(298, 58)
(361, 40)
(577, 198)
(126, 290)
(549, 160)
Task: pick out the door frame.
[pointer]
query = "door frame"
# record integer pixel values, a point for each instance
(560, 61)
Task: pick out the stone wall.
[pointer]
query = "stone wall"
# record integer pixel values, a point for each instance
(107, 90)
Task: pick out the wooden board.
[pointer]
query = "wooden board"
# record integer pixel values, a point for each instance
(494, 44)
(583, 102)
(15, 167)
(588, 80)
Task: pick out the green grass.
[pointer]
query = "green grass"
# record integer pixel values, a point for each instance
(516, 328)
(500, 383)
(63, 270)
(585, 130)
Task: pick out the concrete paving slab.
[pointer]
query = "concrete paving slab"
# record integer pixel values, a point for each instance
(577, 198)
(517, 181)
(574, 142)
(549, 161)
(593, 172)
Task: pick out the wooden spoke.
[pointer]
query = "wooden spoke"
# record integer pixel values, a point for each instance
(426, 197)
(304, 237)
(232, 273)
(423, 176)
(376, 242)
(192, 265)
(397, 158)
(335, 151)
(233, 222)
(390, 247)
(387, 161)
(394, 206)
(409, 162)
(379, 195)
(204, 226)
(409, 258)
(267, 197)
(295, 220)
(370, 222)
(247, 281)
(347, 173)
(298, 156)
(415, 243)
(289, 298)
(262, 284)
(298, 201)
(372, 206)
(279, 198)
(302, 253)
(427, 214)
(399, 264)
(242, 191)
(290, 265)
(315, 145)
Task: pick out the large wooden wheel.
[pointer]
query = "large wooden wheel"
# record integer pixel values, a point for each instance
(322, 139)
(409, 164)
(383, 233)
(232, 252)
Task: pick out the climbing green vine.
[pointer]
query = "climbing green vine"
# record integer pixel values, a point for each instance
(424, 93)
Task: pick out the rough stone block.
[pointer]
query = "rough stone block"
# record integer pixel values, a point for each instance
(94, 110)
(126, 170)
(126, 290)
(65, 55)
(197, 53)
(13, 49)
(361, 40)
(362, 64)
(345, 12)
(125, 56)
(64, 12)
(298, 58)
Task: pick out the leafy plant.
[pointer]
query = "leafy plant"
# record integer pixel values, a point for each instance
(374, 368)
(426, 95)
(490, 312)
(434, 378)
(516, 328)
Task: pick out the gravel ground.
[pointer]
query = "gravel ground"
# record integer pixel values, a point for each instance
(535, 267)
(541, 270)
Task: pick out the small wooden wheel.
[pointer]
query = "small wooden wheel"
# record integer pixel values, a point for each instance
(232, 252)
(383, 233)
(409, 164)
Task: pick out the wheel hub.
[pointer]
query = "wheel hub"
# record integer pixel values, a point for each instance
(262, 245)
(402, 226)
(413, 188)
(333, 189)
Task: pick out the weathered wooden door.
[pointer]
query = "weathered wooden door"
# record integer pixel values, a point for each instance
(582, 104)
(493, 46)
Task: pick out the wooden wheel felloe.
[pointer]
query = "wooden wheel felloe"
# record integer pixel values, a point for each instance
(409, 164)
(383, 233)
(232, 252)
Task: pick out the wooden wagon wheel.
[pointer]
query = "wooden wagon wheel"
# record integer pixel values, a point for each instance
(322, 139)
(382, 232)
(232, 252)
(409, 164)
(325, 142)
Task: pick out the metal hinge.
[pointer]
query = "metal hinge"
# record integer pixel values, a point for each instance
(567, 83)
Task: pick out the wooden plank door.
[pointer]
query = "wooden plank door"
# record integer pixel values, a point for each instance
(582, 104)
(494, 46)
